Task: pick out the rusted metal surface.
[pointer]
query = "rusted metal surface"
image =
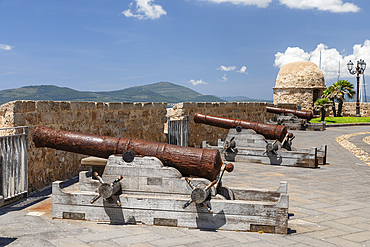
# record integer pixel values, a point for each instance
(205, 163)
(299, 113)
(269, 131)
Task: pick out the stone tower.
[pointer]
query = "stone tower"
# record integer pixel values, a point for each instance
(300, 83)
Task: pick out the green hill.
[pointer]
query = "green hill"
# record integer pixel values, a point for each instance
(44, 92)
(156, 92)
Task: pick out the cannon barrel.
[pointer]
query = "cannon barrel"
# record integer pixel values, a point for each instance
(299, 113)
(269, 131)
(205, 163)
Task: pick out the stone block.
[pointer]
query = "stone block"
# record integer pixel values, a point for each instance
(29, 106)
(184, 105)
(99, 105)
(65, 105)
(47, 118)
(47, 106)
(138, 105)
(19, 119)
(82, 106)
(18, 106)
(147, 106)
(115, 106)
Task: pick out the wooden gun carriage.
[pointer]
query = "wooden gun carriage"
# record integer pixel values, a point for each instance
(160, 184)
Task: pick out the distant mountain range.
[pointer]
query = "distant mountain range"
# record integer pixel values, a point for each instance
(243, 99)
(156, 92)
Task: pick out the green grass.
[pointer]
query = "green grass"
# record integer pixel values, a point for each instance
(336, 120)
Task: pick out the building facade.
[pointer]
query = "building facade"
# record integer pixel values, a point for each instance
(300, 83)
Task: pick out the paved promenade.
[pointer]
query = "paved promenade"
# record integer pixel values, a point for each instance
(329, 206)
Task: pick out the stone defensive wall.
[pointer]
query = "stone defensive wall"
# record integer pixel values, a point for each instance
(133, 120)
(249, 111)
(349, 109)
(45, 165)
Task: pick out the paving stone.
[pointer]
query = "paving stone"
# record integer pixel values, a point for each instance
(321, 218)
(34, 241)
(343, 242)
(326, 234)
(328, 207)
(147, 245)
(310, 241)
(342, 227)
(358, 237)
(138, 239)
(353, 221)
(241, 237)
(67, 242)
(168, 232)
(104, 243)
(102, 235)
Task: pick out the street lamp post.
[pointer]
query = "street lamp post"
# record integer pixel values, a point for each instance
(360, 68)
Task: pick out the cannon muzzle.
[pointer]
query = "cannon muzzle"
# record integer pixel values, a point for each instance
(299, 113)
(269, 131)
(189, 161)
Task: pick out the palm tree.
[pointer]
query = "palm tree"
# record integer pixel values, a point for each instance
(329, 93)
(322, 105)
(340, 90)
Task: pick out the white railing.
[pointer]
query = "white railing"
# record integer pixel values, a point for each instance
(13, 162)
(178, 130)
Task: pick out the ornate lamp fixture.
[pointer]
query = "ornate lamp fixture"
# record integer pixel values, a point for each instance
(358, 70)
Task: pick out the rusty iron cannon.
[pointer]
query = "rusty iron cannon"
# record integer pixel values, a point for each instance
(294, 119)
(189, 161)
(146, 185)
(299, 113)
(269, 131)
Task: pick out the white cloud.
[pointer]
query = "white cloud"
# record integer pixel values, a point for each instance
(258, 3)
(335, 6)
(243, 70)
(197, 82)
(145, 9)
(224, 78)
(331, 59)
(6, 47)
(224, 68)
(291, 54)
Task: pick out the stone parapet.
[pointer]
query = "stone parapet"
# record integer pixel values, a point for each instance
(249, 111)
(133, 120)
(349, 109)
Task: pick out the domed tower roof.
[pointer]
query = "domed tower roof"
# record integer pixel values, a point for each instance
(301, 74)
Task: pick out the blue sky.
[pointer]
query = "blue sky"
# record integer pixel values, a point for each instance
(218, 47)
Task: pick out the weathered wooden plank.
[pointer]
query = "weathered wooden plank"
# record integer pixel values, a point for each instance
(164, 203)
(94, 161)
(201, 220)
(140, 166)
(251, 147)
(144, 184)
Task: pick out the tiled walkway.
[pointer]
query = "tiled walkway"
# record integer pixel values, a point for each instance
(329, 206)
